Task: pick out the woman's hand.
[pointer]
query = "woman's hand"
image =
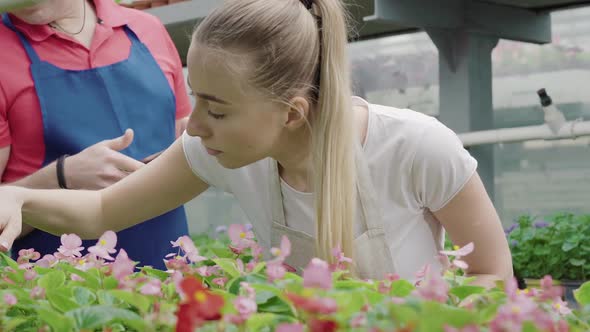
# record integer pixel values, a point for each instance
(11, 203)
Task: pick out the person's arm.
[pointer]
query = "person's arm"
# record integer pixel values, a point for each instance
(446, 182)
(95, 168)
(164, 184)
(471, 217)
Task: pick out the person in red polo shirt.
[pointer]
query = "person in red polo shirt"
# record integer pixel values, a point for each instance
(75, 77)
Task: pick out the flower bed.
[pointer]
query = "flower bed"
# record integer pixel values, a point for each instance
(223, 285)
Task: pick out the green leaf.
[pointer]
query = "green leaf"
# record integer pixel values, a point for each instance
(259, 267)
(403, 314)
(435, 315)
(568, 246)
(12, 324)
(263, 296)
(90, 280)
(352, 284)
(136, 300)
(52, 280)
(110, 283)
(582, 294)
(84, 296)
(106, 298)
(577, 262)
(90, 318)
(463, 291)
(222, 252)
(9, 261)
(56, 320)
(401, 288)
(258, 321)
(162, 275)
(61, 301)
(275, 305)
(228, 266)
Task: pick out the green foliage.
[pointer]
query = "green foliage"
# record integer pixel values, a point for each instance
(559, 247)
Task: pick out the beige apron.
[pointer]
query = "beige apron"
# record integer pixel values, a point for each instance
(373, 257)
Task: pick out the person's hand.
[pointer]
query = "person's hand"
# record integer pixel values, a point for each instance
(10, 216)
(101, 164)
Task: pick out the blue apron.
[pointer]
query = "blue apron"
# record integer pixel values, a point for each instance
(83, 107)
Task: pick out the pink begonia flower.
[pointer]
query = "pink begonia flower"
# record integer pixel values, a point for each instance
(152, 287)
(105, 246)
(30, 274)
(323, 306)
(240, 265)
(247, 290)
(75, 277)
(87, 262)
(341, 260)
(548, 290)
(10, 299)
(206, 271)
(561, 307)
(176, 264)
(358, 321)
(433, 287)
(283, 251)
(26, 255)
(468, 328)
(245, 306)
(286, 327)
(177, 278)
(317, 274)
(241, 238)
(37, 293)
(71, 245)
(47, 261)
(188, 246)
(458, 253)
(520, 307)
(122, 266)
(257, 251)
(275, 271)
(220, 281)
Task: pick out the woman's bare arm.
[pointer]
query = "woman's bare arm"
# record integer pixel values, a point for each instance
(164, 184)
(471, 217)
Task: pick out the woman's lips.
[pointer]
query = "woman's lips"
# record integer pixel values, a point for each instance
(212, 151)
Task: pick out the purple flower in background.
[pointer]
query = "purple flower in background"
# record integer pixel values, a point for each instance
(513, 243)
(221, 229)
(541, 224)
(510, 229)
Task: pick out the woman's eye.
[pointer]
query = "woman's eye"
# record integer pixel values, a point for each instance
(215, 115)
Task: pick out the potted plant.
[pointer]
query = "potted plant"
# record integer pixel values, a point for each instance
(559, 247)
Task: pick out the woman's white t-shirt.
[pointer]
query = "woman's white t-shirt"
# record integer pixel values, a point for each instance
(416, 164)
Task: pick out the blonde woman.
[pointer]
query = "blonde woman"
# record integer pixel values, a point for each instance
(275, 124)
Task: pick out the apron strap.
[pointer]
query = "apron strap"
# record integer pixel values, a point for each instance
(30, 51)
(276, 196)
(370, 209)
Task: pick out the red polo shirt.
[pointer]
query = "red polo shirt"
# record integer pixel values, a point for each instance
(21, 125)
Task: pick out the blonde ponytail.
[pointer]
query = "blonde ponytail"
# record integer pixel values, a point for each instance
(286, 44)
(334, 136)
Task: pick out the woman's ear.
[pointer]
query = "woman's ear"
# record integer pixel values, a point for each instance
(297, 115)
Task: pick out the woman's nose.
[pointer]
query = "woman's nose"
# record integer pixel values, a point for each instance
(196, 126)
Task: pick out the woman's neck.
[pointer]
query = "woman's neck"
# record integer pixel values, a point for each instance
(295, 160)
